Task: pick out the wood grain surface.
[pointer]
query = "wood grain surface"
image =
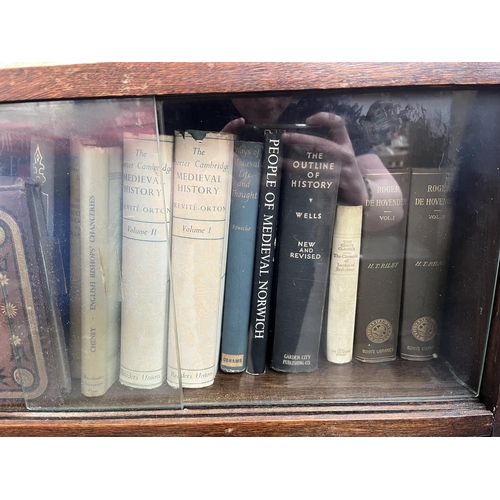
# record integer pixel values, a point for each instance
(424, 419)
(139, 79)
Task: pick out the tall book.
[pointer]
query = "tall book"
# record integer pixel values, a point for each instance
(101, 221)
(33, 357)
(265, 249)
(56, 312)
(49, 164)
(50, 161)
(306, 219)
(428, 241)
(201, 197)
(147, 171)
(343, 287)
(241, 255)
(381, 268)
(75, 305)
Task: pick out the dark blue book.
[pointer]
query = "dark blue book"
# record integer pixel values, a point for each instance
(241, 255)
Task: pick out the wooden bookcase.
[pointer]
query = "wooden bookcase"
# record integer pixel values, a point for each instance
(427, 417)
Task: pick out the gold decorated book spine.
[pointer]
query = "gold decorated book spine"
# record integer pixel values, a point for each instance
(342, 297)
(428, 241)
(100, 215)
(147, 170)
(381, 268)
(200, 222)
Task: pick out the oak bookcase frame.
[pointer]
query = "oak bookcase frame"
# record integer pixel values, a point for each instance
(471, 417)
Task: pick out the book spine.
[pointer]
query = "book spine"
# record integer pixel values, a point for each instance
(201, 197)
(428, 240)
(49, 168)
(307, 215)
(114, 264)
(265, 249)
(45, 256)
(381, 270)
(75, 330)
(147, 170)
(100, 216)
(342, 296)
(241, 254)
(42, 172)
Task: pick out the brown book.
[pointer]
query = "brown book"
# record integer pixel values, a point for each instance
(33, 360)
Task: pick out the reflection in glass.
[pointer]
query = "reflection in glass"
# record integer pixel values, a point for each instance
(198, 316)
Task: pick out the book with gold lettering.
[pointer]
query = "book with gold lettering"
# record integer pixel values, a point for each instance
(241, 255)
(147, 171)
(33, 358)
(428, 239)
(100, 233)
(381, 268)
(343, 287)
(305, 232)
(201, 197)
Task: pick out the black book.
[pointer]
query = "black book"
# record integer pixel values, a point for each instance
(49, 164)
(428, 239)
(306, 221)
(267, 226)
(381, 273)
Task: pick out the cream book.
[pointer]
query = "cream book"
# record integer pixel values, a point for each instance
(147, 171)
(75, 296)
(100, 233)
(200, 222)
(344, 269)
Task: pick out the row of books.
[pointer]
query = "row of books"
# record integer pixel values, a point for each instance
(204, 251)
(368, 280)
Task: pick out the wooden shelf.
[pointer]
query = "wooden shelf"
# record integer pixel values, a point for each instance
(421, 399)
(398, 381)
(459, 418)
(142, 79)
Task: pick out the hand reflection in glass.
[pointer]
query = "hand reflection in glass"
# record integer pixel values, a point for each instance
(354, 186)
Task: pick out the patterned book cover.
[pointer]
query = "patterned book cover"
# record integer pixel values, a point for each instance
(30, 363)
